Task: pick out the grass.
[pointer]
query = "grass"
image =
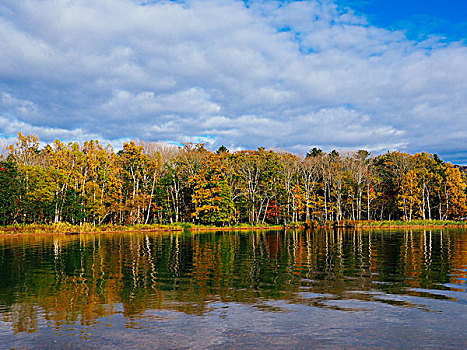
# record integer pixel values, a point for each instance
(85, 227)
(179, 226)
(186, 226)
(400, 223)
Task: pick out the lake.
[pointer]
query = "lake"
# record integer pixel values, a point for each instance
(235, 290)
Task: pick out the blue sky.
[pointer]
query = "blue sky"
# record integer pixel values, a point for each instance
(369, 74)
(419, 18)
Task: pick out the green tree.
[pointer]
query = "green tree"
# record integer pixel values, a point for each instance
(314, 152)
(212, 197)
(37, 204)
(10, 191)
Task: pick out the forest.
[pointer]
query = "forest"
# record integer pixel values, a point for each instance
(158, 183)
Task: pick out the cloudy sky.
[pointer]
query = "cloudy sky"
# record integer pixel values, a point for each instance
(365, 74)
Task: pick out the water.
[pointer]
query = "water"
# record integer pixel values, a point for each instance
(235, 290)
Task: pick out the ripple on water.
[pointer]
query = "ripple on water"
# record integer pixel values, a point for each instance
(269, 289)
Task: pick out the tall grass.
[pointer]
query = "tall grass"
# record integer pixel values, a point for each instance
(397, 223)
(85, 227)
(178, 226)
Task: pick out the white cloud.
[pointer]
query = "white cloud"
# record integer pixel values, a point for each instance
(192, 101)
(24, 108)
(290, 75)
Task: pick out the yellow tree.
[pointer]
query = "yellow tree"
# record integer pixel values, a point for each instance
(25, 151)
(131, 162)
(136, 177)
(455, 197)
(409, 197)
(103, 186)
(298, 202)
(65, 160)
(154, 153)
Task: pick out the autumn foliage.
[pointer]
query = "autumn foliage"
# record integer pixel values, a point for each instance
(146, 183)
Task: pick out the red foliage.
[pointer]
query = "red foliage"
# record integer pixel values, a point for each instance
(273, 210)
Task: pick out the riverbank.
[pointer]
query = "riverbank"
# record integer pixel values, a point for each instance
(411, 224)
(386, 224)
(68, 229)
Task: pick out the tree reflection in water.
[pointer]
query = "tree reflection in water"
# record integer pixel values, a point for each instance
(67, 280)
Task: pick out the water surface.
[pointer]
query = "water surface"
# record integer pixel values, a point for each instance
(235, 290)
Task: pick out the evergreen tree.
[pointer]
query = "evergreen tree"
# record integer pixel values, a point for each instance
(10, 192)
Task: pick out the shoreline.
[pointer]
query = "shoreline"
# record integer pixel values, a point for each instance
(75, 231)
(68, 230)
(410, 226)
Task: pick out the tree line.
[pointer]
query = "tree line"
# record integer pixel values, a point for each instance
(156, 183)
